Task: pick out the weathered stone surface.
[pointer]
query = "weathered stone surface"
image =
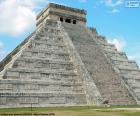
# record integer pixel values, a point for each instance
(45, 74)
(92, 55)
(67, 64)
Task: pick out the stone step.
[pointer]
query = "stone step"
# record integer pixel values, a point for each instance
(16, 73)
(130, 68)
(42, 64)
(101, 39)
(41, 99)
(105, 49)
(47, 47)
(58, 41)
(133, 72)
(44, 35)
(108, 46)
(78, 33)
(46, 43)
(49, 39)
(39, 94)
(46, 54)
(138, 95)
(117, 53)
(51, 30)
(36, 55)
(46, 50)
(51, 77)
(127, 67)
(112, 53)
(40, 86)
(117, 56)
(61, 90)
(121, 59)
(63, 72)
(130, 74)
(48, 76)
(133, 82)
(43, 77)
(17, 81)
(44, 60)
(130, 71)
(136, 89)
(73, 27)
(131, 64)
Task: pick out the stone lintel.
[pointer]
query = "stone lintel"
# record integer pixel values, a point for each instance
(81, 11)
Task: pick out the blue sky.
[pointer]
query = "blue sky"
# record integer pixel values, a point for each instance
(120, 24)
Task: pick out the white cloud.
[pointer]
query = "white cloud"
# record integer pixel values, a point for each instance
(113, 5)
(16, 18)
(115, 10)
(19, 16)
(2, 52)
(119, 43)
(35, 4)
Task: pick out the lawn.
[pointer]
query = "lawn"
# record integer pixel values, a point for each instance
(76, 111)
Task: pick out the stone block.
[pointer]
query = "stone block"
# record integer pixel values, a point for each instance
(2, 100)
(28, 100)
(4, 86)
(57, 100)
(11, 75)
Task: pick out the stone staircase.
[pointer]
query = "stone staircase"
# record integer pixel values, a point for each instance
(40, 73)
(106, 65)
(128, 70)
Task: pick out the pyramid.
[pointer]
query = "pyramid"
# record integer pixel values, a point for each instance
(64, 63)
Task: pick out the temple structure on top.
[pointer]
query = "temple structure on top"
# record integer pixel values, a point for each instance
(64, 63)
(61, 13)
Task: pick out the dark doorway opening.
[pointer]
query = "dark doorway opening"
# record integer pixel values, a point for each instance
(68, 20)
(74, 21)
(61, 19)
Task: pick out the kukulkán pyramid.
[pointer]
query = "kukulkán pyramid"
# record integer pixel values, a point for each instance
(63, 63)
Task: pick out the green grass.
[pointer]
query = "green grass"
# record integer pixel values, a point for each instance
(76, 111)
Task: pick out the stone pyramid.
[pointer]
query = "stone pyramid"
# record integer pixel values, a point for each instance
(64, 63)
